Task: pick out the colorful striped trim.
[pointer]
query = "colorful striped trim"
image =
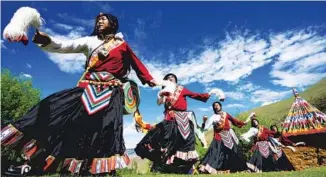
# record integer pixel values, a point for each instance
(72, 165)
(29, 149)
(182, 119)
(227, 138)
(263, 147)
(106, 165)
(186, 156)
(10, 136)
(101, 76)
(49, 161)
(95, 100)
(304, 132)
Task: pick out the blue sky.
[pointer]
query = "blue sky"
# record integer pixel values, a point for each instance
(254, 51)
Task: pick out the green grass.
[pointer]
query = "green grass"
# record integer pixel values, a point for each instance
(312, 172)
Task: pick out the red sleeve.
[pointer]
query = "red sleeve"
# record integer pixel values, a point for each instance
(269, 132)
(286, 141)
(235, 121)
(197, 96)
(139, 67)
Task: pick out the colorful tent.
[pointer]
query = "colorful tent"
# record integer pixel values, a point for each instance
(303, 118)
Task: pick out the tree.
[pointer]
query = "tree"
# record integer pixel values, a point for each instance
(17, 96)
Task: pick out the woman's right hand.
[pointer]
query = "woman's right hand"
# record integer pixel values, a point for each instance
(41, 38)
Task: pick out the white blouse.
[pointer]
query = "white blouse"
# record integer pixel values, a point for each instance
(83, 45)
(249, 134)
(211, 120)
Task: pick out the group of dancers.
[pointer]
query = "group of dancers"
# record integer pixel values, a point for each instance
(172, 152)
(81, 128)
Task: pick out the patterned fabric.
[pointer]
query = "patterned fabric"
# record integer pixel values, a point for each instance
(303, 118)
(106, 165)
(29, 149)
(97, 96)
(95, 99)
(132, 97)
(191, 155)
(182, 119)
(227, 138)
(279, 154)
(10, 135)
(173, 98)
(72, 165)
(101, 76)
(49, 161)
(263, 147)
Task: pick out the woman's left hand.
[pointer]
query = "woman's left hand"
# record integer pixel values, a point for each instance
(152, 83)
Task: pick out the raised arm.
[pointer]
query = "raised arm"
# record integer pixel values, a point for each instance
(249, 134)
(56, 45)
(209, 123)
(139, 67)
(68, 46)
(235, 121)
(197, 96)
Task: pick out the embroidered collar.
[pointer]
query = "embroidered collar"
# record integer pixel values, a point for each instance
(110, 36)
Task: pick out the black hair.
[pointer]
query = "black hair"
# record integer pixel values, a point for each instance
(271, 127)
(114, 24)
(252, 122)
(171, 74)
(217, 103)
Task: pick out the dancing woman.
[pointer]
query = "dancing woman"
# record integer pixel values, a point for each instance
(82, 126)
(223, 154)
(265, 154)
(171, 144)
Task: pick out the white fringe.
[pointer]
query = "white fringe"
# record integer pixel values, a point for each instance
(23, 18)
(218, 92)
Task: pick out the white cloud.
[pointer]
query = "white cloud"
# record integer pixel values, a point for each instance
(70, 63)
(2, 45)
(269, 102)
(266, 96)
(228, 60)
(26, 76)
(205, 109)
(63, 26)
(294, 79)
(79, 21)
(236, 57)
(235, 95)
(235, 105)
(301, 60)
(131, 136)
(248, 87)
(297, 59)
(28, 65)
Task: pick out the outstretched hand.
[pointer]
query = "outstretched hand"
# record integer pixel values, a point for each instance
(152, 83)
(41, 38)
